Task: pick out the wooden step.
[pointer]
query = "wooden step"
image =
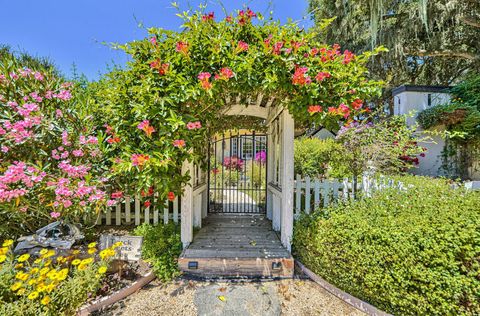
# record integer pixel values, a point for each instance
(237, 267)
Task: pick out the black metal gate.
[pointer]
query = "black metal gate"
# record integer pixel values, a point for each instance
(237, 180)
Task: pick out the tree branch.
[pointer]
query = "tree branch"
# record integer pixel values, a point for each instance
(470, 21)
(446, 53)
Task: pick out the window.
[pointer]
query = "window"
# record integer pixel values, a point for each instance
(429, 99)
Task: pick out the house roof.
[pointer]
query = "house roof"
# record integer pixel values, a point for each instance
(415, 88)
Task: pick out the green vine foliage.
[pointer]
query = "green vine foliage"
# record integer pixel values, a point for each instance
(461, 116)
(177, 78)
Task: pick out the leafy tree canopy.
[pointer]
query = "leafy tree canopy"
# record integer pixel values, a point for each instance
(430, 42)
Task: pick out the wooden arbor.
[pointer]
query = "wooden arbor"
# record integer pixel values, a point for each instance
(280, 174)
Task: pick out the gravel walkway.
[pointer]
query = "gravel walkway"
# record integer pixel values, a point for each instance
(182, 297)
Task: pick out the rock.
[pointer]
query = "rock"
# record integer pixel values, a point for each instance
(58, 235)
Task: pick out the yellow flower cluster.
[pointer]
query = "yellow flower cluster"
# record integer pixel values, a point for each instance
(37, 279)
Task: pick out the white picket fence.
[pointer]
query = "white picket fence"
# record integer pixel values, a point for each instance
(311, 194)
(132, 211)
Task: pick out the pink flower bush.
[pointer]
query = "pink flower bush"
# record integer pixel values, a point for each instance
(48, 162)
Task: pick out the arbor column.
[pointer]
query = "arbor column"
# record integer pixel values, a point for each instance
(287, 178)
(186, 228)
(270, 170)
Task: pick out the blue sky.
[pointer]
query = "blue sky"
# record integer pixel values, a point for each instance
(73, 31)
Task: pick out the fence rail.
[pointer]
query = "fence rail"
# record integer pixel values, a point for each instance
(311, 194)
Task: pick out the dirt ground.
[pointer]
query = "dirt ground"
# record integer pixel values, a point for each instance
(185, 297)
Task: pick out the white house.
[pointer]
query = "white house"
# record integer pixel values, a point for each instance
(408, 98)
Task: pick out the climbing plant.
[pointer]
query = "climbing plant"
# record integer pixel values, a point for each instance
(161, 108)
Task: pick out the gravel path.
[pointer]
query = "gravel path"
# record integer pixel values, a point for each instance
(182, 297)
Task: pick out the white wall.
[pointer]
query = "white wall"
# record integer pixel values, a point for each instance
(408, 101)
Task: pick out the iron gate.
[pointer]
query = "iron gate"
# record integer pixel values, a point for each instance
(238, 174)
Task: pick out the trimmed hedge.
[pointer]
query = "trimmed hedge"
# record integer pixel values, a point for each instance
(408, 253)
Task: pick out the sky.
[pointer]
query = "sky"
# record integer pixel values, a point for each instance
(78, 31)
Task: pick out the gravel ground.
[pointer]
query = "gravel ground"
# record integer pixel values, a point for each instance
(182, 297)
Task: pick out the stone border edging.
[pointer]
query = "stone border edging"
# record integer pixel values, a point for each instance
(347, 298)
(116, 296)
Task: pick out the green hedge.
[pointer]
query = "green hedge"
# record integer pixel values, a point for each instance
(161, 248)
(315, 157)
(408, 253)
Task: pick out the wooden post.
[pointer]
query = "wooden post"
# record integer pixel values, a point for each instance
(288, 134)
(197, 210)
(270, 171)
(186, 228)
(205, 202)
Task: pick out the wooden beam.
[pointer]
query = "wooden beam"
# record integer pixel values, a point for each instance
(259, 99)
(252, 110)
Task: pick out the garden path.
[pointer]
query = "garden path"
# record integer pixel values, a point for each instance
(187, 298)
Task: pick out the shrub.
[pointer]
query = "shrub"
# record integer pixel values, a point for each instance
(319, 158)
(409, 253)
(51, 162)
(161, 248)
(44, 285)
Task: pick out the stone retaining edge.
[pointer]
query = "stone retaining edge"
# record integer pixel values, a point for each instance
(347, 298)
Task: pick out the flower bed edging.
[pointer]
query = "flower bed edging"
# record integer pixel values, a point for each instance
(117, 296)
(347, 298)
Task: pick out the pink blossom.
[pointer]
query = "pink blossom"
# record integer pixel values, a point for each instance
(153, 40)
(13, 75)
(38, 76)
(5, 149)
(67, 203)
(111, 202)
(65, 140)
(77, 153)
(64, 95)
(55, 214)
(58, 113)
(49, 94)
(139, 159)
(204, 76)
(225, 74)
(179, 143)
(194, 125)
(117, 195)
(36, 97)
(242, 46)
(12, 104)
